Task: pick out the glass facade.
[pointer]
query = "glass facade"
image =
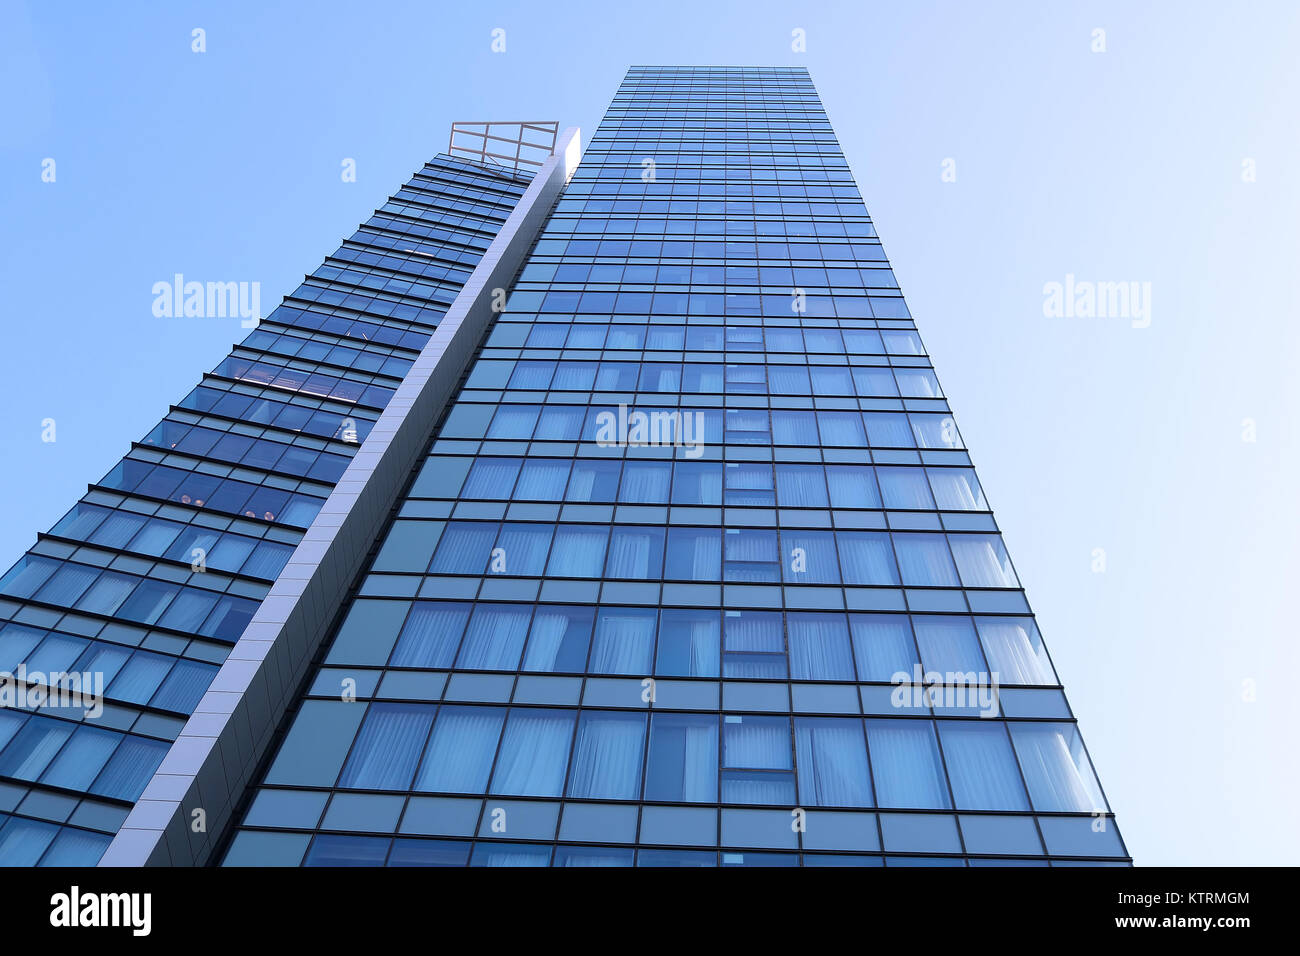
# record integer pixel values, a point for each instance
(149, 580)
(696, 570)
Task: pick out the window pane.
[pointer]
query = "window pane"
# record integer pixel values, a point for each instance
(495, 637)
(607, 756)
(924, 560)
(694, 554)
(852, 486)
(388, 747)
(688, 643)
(534, 753)
(948, 644)
(559, 638)
(578, 551)
(905, 764)
(521, 549)
(819, 647)
(1015, 650)
(1056, 768)
(624, 641)
(883, 647)
(683, 758)
(431, 634)
(957, 489)
(636, 553)
(832, 756)
(461, 749)
(465, 548)
(982, 561)
(867, 557)
(981, 766)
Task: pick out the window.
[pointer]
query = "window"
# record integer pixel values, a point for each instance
(635, 552)
(905, 765)
(819, 647)
(461, 747)
(578, 551)
(388, 747)
(495, 637)
(948, 644)
(688, 643)
(809, 557)
(832, 759)
(924, 560)
(465, 548)
(982, 561)
(607, 756)
(957, 489)
(683, 758)
(852, 486)
(624, 641)
(883, 647)
(904, 488)
(534, 753)
(756, 760)
(1056, 767)
(1015, 650)
(801, 486)
(430, 635)
(521, 549)
(558, 639)
(694, 554)
(867, 557)
(754, 645)
(981, 766)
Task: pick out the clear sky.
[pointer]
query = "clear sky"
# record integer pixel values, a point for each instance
(1167, 159)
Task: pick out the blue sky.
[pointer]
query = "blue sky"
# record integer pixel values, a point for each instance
(1118, 166)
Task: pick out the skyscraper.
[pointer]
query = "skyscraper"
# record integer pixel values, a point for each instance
(665, 551)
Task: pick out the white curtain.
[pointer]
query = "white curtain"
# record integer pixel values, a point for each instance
(867, 557)
(905, 762)
(578, 551)
(981, 766)
(607, 756)
(431, 634)
(388, 747)
(1015, 651)
(832, 760)
(534, 753)
(883, 646)
(957, 489)
(948, 644)
(624, 641)
(495, 638)
(635, 553)
(459, 756)
(801, 486)
(924, 560)
(545, 639)
(819, 647)
(982, 561)
(1057, 770)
